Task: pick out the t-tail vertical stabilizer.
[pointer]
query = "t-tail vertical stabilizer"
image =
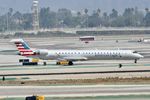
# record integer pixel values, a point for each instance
(23, 47)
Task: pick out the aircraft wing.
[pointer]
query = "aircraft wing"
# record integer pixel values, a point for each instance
(9, 52)
(74, 58)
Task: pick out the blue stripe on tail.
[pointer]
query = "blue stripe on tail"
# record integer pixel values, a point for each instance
(25, 45)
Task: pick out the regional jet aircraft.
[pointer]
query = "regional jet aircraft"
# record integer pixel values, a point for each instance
(70, 56)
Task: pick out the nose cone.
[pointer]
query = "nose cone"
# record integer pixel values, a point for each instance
(139, 56)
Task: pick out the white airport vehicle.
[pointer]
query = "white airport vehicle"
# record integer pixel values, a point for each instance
(67, 57)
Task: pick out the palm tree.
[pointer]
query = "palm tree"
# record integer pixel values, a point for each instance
(147, 10)
(86, 11)
(78, 13)
(98, 11)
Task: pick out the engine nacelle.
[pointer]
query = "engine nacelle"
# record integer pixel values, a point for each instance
(41, 52)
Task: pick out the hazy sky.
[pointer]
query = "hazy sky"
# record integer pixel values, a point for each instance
(104, 5)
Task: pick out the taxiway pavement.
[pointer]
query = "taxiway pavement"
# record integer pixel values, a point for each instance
(74, 91)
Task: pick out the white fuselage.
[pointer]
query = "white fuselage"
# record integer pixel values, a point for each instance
(76, 55)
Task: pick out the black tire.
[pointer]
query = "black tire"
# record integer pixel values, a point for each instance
(70, 63)
(57, 63)
(44, 63)
(120, 65)
(135, 61)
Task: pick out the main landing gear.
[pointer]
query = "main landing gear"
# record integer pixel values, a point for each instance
(70, 63)
(44, 63)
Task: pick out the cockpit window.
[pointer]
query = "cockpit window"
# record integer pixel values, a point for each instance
(135, 52)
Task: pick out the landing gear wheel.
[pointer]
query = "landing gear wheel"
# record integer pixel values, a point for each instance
(44, 63)
(120, 65)
(57, 63)
(135, 61)
(70, 63)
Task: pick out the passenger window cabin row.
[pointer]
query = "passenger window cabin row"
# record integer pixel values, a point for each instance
(89, 53)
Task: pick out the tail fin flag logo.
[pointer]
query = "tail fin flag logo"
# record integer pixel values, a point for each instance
(23, 47)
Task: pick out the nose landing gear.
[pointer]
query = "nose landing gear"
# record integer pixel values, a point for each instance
(120, 65)
(135, 61)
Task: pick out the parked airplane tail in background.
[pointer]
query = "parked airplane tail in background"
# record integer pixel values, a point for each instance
(23, 47)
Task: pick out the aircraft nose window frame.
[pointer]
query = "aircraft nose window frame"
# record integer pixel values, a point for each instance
(135, 52)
